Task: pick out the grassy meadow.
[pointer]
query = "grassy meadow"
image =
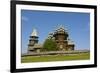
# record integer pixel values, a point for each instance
(48, 58)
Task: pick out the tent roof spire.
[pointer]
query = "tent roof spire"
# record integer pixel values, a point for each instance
(34, 32)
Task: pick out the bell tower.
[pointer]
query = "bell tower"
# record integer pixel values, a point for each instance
(33, 40)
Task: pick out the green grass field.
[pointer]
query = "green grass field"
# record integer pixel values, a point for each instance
(28, 59)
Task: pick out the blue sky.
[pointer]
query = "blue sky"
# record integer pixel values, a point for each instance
(77, 24)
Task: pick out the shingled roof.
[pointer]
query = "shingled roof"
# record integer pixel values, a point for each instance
(37, 46)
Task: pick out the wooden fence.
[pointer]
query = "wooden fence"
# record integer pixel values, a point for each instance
(55, 53)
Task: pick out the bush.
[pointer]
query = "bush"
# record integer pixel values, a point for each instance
(49, 45)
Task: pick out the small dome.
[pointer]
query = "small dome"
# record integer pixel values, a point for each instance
(70, 42)
(60, 28)
(34, 33)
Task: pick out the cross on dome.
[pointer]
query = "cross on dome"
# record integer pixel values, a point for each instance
(61, 27)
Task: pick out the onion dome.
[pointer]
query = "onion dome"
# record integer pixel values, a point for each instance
(50, 36)
(70, 42)
(60, 30)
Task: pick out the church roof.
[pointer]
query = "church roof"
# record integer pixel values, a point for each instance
(60, 28)
(34, 33)
(37, 46)
(70, 42)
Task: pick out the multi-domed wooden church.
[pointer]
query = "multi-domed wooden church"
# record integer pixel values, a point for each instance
(60, 36)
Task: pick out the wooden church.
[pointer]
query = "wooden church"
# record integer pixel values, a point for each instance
(60, 36)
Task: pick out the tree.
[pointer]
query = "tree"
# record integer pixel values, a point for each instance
(49, 45)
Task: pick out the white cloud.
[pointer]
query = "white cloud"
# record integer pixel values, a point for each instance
(24, 18)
